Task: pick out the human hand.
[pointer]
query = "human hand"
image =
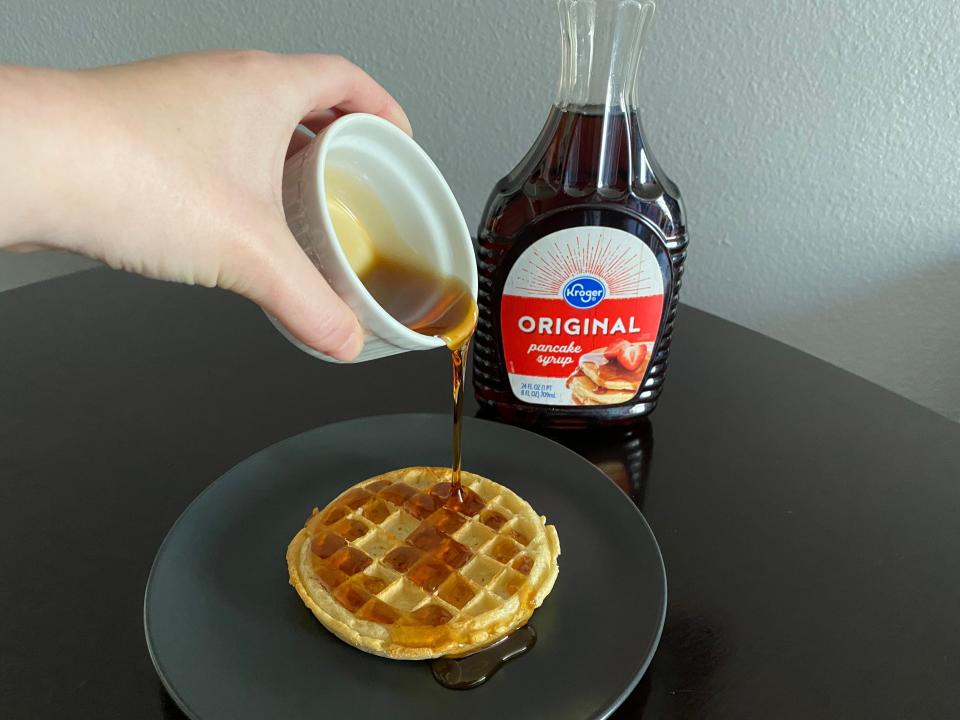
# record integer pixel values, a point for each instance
(172, 168)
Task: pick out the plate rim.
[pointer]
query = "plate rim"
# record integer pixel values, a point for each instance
(611, 705)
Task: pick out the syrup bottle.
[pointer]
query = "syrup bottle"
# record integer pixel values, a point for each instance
(581, 246)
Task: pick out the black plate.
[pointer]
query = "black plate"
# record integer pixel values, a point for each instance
(232, 640)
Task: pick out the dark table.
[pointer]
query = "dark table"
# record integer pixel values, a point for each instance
(809, 520)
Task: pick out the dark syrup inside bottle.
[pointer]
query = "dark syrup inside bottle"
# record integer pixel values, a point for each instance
(590, 180)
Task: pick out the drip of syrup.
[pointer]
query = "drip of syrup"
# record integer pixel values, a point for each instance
(459, 356)
(427, 303)
(442, 307)
(454, 323)
(422, 299)
(473, 670)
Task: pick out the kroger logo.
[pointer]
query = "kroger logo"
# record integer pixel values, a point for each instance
(584, 291)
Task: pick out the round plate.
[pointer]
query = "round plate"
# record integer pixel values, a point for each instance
(230, 638)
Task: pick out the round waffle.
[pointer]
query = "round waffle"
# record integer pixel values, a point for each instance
(397, 567)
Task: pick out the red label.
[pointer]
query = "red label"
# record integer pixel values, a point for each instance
(579, 317)
(547, 337)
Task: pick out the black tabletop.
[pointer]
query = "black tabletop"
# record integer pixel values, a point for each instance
(809, 520)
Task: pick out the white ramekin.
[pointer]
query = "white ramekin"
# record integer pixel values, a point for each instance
(411, 190)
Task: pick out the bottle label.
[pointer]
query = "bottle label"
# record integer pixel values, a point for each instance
(580, 316)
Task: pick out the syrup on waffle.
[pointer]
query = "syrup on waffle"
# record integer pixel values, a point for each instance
(402, 566)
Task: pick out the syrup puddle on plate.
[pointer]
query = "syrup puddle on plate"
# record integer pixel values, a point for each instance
(474, 670)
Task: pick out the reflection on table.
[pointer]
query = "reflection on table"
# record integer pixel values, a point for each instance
(624, 454)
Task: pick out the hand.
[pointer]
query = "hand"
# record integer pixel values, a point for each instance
(172, 168)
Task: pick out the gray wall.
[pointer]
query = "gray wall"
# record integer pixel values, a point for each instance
(817, 143)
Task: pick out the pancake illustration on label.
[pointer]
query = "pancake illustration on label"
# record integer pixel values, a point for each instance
(402, 567)
(609, 375)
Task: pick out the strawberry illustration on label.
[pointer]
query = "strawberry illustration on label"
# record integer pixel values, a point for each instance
(631, 355)
(614, 348)
(580, 314)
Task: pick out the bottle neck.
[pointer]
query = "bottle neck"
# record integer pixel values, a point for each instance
(602, 42)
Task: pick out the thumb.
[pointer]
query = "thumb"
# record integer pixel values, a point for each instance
(286, 284)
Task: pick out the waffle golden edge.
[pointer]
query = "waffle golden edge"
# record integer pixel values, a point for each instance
(458, 582)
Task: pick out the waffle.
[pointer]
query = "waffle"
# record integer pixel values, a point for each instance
(396, 567)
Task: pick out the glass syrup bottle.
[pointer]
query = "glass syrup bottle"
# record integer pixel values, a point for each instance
(581, 245)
